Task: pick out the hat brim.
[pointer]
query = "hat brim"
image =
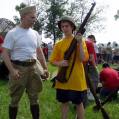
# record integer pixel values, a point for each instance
(72, 24)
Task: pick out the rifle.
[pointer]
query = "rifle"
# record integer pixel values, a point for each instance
(97, 108)
(99, 104)
(97, 100)
(61, 76)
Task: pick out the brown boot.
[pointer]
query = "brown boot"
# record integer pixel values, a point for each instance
(13, 112)
(35, 111)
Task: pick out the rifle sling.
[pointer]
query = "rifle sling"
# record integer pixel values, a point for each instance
(74, 58)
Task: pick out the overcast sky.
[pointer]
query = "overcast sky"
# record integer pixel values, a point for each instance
(111, 32)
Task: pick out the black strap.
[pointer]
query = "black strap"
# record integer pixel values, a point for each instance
(74, 58)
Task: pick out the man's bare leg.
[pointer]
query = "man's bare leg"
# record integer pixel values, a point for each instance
(80, 111)
(64, 110)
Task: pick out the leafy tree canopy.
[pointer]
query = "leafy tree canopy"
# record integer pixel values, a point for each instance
(50, 11)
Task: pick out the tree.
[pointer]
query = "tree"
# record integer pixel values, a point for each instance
(17, 8)
(50, 11)
(117, 15)
(54, 12)
(5, 26)
(77, 9)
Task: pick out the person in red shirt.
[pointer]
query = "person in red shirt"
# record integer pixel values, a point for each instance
(3, 69)
(1, 42)
(91, 69)
(91, 51)
(109, 78)
(45, 51)
(91, 64)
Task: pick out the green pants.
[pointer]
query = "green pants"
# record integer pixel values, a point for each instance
(30, 81)
(92, 72)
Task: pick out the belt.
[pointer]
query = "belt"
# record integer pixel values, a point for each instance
(25, 63)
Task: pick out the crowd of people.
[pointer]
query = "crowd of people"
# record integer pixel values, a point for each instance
(108, 53)
(23, 52)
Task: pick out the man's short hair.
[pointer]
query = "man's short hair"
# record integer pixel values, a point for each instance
(105, 65)
(92, 37)
(26, 10)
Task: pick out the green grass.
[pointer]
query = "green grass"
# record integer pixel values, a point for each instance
(50, 108)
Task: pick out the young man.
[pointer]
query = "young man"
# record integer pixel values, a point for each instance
(21, 49)
(109, 79)
(73, 89)
(90, 68)
(91, 65)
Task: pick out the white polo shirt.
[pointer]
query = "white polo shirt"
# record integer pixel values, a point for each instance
(22, 43)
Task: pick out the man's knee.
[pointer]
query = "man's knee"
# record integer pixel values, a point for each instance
(33, 99)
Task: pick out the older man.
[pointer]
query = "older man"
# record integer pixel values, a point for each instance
(21, 49)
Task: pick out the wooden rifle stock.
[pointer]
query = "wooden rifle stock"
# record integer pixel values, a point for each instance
(61, 76)
(97, 101)
(97, 108)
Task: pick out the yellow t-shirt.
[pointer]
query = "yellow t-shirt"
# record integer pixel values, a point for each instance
(77, 79)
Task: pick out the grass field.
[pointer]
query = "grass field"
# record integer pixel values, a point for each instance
(49, 107)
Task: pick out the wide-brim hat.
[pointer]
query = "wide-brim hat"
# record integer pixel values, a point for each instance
(68, 19)
(27, 9)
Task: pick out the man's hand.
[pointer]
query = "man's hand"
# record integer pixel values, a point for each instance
(63, 63)
(45, 75)
(78, 37)
(15, 74)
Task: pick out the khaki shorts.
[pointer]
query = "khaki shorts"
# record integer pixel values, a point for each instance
(30, 81)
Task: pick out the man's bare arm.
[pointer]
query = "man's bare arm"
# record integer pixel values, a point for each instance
(41, 58)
